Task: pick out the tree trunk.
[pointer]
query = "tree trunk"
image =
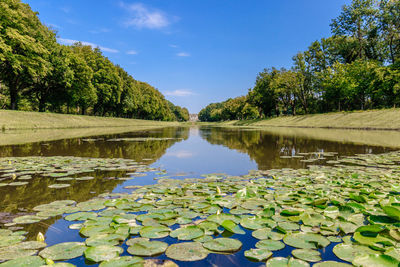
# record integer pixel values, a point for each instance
(14, 96)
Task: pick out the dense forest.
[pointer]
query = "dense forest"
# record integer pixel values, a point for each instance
(39, 74)
(357, 68)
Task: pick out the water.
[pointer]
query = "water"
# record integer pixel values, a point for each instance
(189, 153)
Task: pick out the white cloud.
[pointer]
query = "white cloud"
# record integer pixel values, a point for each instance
(180, 154)
(132, 52)
(182, 92)
(71, 42)
(183, 54)
(143, 17)
(173, 46)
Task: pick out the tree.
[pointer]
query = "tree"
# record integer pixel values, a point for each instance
(262, 95)
(357, 28)
(24, 48)
(389, 24)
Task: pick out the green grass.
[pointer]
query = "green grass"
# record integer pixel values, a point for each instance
(384, 119)
(18, 120)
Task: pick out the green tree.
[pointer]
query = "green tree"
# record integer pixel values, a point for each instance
(24, 48)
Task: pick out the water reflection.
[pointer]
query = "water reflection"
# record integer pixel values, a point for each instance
(266, 148)
(16, 200)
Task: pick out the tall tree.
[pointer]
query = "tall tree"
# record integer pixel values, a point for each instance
(357, 29)
(23, 48)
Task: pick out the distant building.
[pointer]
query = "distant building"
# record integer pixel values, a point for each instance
(193, 117)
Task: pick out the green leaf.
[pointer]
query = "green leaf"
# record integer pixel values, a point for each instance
(63, 251)
(307, 254)
(187, 233)
(102, 253)
(147, 248)
(223, 245)
(259, 254)
(375, 260)
(188, 251)
(232, 227)
(306, 240)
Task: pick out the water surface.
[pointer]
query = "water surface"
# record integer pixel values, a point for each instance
(183, 152)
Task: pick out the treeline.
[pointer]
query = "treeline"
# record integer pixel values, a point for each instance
(357, 68)
(37, 73)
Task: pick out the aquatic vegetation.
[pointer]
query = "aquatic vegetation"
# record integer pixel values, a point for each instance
(352, 205)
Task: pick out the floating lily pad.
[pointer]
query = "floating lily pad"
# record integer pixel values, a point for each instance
(63, 251)
(125, 261)
(232, 227)
(29, 261)
(270, 244)
(102, 253)
(81, 216)
(307, 254)
(375, 260)
(188, 251)
(331, 264)
(154, 231)
(306, 240)
(223, 244)
(187, 233)
(259, 254)
(348, 252)
(147, 248)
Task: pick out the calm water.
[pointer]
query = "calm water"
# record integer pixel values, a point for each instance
(192, 152)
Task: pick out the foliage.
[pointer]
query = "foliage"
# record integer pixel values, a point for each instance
(37, 73)
(357, 67)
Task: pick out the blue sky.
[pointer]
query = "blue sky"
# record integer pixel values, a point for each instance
(194, 52)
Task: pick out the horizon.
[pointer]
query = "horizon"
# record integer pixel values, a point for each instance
(193, 53)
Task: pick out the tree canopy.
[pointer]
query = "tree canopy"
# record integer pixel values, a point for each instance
(37, 73)
(358, 67)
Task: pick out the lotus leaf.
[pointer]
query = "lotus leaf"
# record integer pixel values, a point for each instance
(348, 252)
(375, 260)
(125, 261)
(270, 244)
(306, 240)
(102, 253)
(307, 254)
(154, 231)
(223, 245)
(232, 227)
(259, 254)
(188, 251)
(187, 233)
(63, 251)
(29, 261)
(147, 248)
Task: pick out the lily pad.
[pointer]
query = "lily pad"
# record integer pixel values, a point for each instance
(63, 251)
(125, 261)
(147, 248)
(259, 254)
(307, 254)
(306, 240)
(188, 251)
(102, 253)
(154, 231)
(223, 245)
(29, 261)
(331, 264)
(270, 244)
(375, 260)
(187, 233)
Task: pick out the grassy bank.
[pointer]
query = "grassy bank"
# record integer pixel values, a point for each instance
(19, 120)
(385, 119)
